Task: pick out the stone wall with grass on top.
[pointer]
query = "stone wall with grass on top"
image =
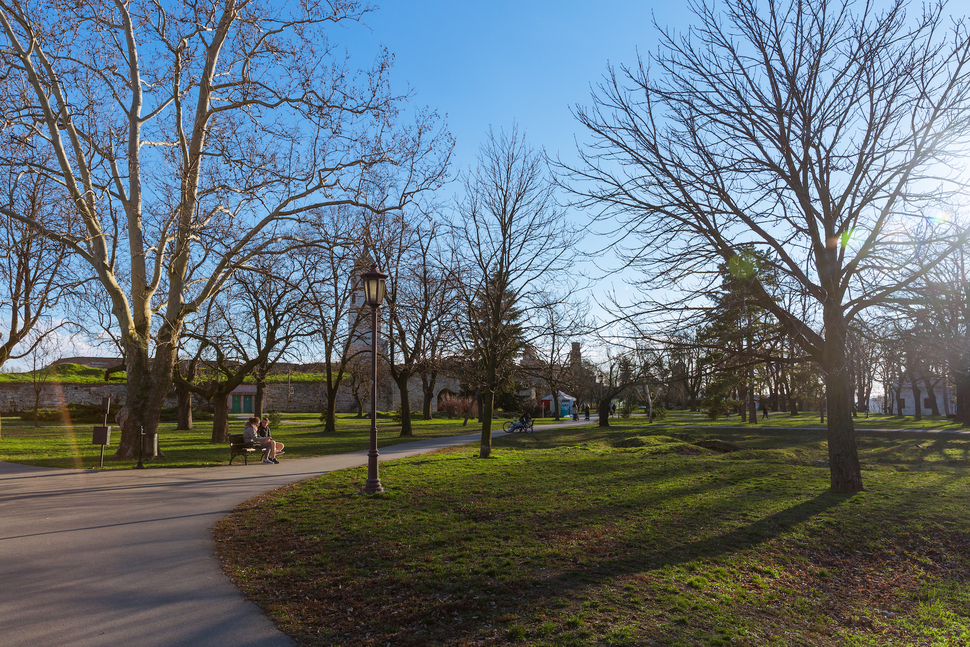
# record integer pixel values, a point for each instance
(280, 396)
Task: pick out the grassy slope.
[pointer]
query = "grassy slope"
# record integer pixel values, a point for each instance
(72, 373)
(590, 537)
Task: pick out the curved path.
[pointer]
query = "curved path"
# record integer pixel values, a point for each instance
(125, 557)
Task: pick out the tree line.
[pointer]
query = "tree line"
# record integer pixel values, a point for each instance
(202, 181)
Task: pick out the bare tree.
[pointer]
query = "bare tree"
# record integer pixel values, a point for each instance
(35, 275)
(44, 351)
(811, 129)
(335, 295)
(440, 335)
(558, 322)
(187, 137)
(616, 372)
(250, 326)
(509, 237)
(417, 304)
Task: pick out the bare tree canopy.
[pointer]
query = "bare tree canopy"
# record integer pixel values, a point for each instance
(35, 273)
(822, 132)
(186, 136)
(510, 240)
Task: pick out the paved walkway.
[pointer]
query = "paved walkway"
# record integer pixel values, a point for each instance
(125, 557)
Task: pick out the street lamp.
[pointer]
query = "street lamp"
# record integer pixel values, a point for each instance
(375, 284)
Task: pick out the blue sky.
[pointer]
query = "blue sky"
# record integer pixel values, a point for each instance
(503, 63)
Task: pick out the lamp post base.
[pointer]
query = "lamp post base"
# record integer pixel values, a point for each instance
(373, 483)
(372, 487)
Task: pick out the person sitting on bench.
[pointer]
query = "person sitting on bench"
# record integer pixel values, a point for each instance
(251, 436)
(263, 432)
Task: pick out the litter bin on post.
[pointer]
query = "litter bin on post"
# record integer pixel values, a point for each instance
(149, 444)
(102, 436)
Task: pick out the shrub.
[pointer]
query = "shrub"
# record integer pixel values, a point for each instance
(532, 407)
(715, 407)
(659, 412)
(453, 405)
(171, 414)
(77, 413)
(275, 418)
(627, 408)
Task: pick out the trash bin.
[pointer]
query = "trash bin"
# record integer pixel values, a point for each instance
(149, 445)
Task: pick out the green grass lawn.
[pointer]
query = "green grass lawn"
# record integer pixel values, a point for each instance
(628, 536)
(70, 446)
(58, 445)
(811, 419)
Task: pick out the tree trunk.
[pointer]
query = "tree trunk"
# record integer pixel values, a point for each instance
(743, 403)
(184, 408)
(148, 384)
(961, 381)
(428, 382)
(402, 385)
(931, 394)
(260, 396)
(220, 419)
(488, 398)
(603, 409)
(36, 408)
(917, 405)
(845, 471)
(330, 409)
(752, 405)
(962, 384)
(468, 411)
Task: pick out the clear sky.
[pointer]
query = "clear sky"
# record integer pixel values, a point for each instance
(501, 63)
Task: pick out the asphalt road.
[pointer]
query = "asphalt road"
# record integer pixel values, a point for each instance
(125, 557)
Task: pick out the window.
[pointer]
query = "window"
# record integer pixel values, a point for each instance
(902, 403)
(927, 403)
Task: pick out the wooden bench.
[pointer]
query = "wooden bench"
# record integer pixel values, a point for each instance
(239, 447)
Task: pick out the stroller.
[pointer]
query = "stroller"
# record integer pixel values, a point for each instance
(524, 425)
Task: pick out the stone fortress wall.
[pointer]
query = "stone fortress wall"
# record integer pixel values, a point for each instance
(293, 397)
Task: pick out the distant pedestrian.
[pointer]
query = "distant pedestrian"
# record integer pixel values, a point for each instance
(764, 409)
(613, 410)
(574, 410)
(586, 410)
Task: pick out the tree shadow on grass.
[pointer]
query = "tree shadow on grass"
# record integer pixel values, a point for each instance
(453, 613)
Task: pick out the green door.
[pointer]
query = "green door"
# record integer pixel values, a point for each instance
(247, 404)
(236, 404)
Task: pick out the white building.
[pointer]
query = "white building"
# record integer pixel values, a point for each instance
(907, 403)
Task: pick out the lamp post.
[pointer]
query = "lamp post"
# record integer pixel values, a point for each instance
(375, 284)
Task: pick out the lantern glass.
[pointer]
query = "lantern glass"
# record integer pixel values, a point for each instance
(375, 284)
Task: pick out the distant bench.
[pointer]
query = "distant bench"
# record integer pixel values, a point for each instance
(239, 447)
